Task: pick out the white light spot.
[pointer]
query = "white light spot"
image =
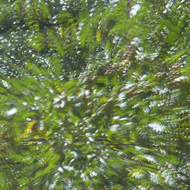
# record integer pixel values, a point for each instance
(134, 10)
(12, 111)
(157, 127)
(60, 170)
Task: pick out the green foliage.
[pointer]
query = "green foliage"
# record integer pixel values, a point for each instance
(105, 89)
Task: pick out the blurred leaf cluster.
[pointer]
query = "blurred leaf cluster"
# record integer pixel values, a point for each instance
(94, 94)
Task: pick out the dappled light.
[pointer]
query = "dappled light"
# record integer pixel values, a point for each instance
(94, 94)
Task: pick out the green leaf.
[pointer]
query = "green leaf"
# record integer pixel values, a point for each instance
(69, 137)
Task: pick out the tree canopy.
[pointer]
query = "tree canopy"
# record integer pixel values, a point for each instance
(94, 94)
